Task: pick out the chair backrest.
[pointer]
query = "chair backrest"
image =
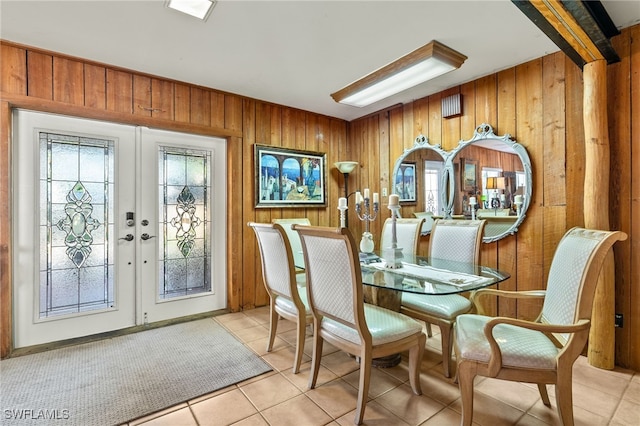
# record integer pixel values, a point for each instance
(334, 280)
(294, 238)
(574, 274)
(457, 240)
(407, 234)
(428, 221)
(278, 271)
(480, 213)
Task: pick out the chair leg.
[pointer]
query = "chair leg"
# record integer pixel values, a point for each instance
(542, 388)
(363, 386)
(466, 375)
(301, 328)
(447, 347)
(316, 356)
(428, 326)
(415, 358)
(273, 325)
(564, 397)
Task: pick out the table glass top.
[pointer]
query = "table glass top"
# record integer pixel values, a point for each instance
(424, 275)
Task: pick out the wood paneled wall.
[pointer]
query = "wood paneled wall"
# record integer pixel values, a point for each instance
(539, 103)
(45, 81)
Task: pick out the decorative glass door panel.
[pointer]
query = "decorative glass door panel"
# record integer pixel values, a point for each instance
(187, 173)
(77, 207)
(184, 188)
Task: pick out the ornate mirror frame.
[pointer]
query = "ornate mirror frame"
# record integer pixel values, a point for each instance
(450, 182)
(422, 142)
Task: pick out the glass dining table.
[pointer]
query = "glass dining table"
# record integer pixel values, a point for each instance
(385, 286)
(422, 275)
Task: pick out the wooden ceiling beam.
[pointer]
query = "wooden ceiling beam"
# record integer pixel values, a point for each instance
(580, 29)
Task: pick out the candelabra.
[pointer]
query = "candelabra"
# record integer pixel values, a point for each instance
(365, 214)
(393, 255)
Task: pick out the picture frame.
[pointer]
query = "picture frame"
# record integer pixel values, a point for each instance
(468, 175)
(286, 177)
(405, 184)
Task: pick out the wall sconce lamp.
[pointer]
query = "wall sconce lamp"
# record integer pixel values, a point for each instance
(346, 167)
(425, 63)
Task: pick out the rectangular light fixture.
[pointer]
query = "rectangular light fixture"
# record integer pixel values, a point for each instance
(198, 8)
(425, 63)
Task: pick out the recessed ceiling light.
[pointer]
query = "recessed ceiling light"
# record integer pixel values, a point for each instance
(198, 8)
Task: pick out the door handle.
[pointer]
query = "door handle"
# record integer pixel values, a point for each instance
(146, 236)
(128, 237)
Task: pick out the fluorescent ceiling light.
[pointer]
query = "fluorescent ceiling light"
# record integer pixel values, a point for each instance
(427, 62)
(198, 8)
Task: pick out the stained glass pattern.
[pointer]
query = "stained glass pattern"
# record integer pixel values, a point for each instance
(78, 224)
(76, 220)
(184, 192)
(186, 221)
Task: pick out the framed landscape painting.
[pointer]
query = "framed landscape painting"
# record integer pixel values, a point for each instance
(405, 184)
(468, 175)
(289, 177)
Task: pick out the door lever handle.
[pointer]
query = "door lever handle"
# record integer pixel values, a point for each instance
(128, 237)
(146, 236)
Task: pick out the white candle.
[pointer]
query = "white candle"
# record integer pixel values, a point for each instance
(502, 197)
(376, 198)
(473, 201)
(394, 200)
(366, 193)
(342, 202)
(358, 197)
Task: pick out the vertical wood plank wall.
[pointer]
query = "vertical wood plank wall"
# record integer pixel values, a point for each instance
(539, 103)
(45, 81)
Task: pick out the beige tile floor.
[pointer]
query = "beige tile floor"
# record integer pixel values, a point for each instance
(281, 398)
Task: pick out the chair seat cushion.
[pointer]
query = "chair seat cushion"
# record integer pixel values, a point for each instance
(385, 326)
(287, 304)
(520, 346)
(446, 306)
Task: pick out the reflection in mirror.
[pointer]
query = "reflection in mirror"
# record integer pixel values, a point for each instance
(496, 172)
(418, 178)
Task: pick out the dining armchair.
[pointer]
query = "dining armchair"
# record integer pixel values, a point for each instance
(542, 351)
(453, 240)
(407, 234)
(340, 316)
(286, 298)
(294, 242)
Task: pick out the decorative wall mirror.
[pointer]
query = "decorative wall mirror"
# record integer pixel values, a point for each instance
(492, 171)
(430, 182)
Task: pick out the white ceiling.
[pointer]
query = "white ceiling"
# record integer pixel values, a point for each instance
(293, 53)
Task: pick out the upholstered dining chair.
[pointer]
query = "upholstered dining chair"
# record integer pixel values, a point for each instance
(340, 316)
(296, 246)
(457, 240)
(407, 234)
(541, 351)
(286, 298)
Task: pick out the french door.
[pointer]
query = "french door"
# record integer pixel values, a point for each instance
(113, 226)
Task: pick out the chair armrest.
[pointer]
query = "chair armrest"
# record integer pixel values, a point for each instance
(478, 294)
(495, 359)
